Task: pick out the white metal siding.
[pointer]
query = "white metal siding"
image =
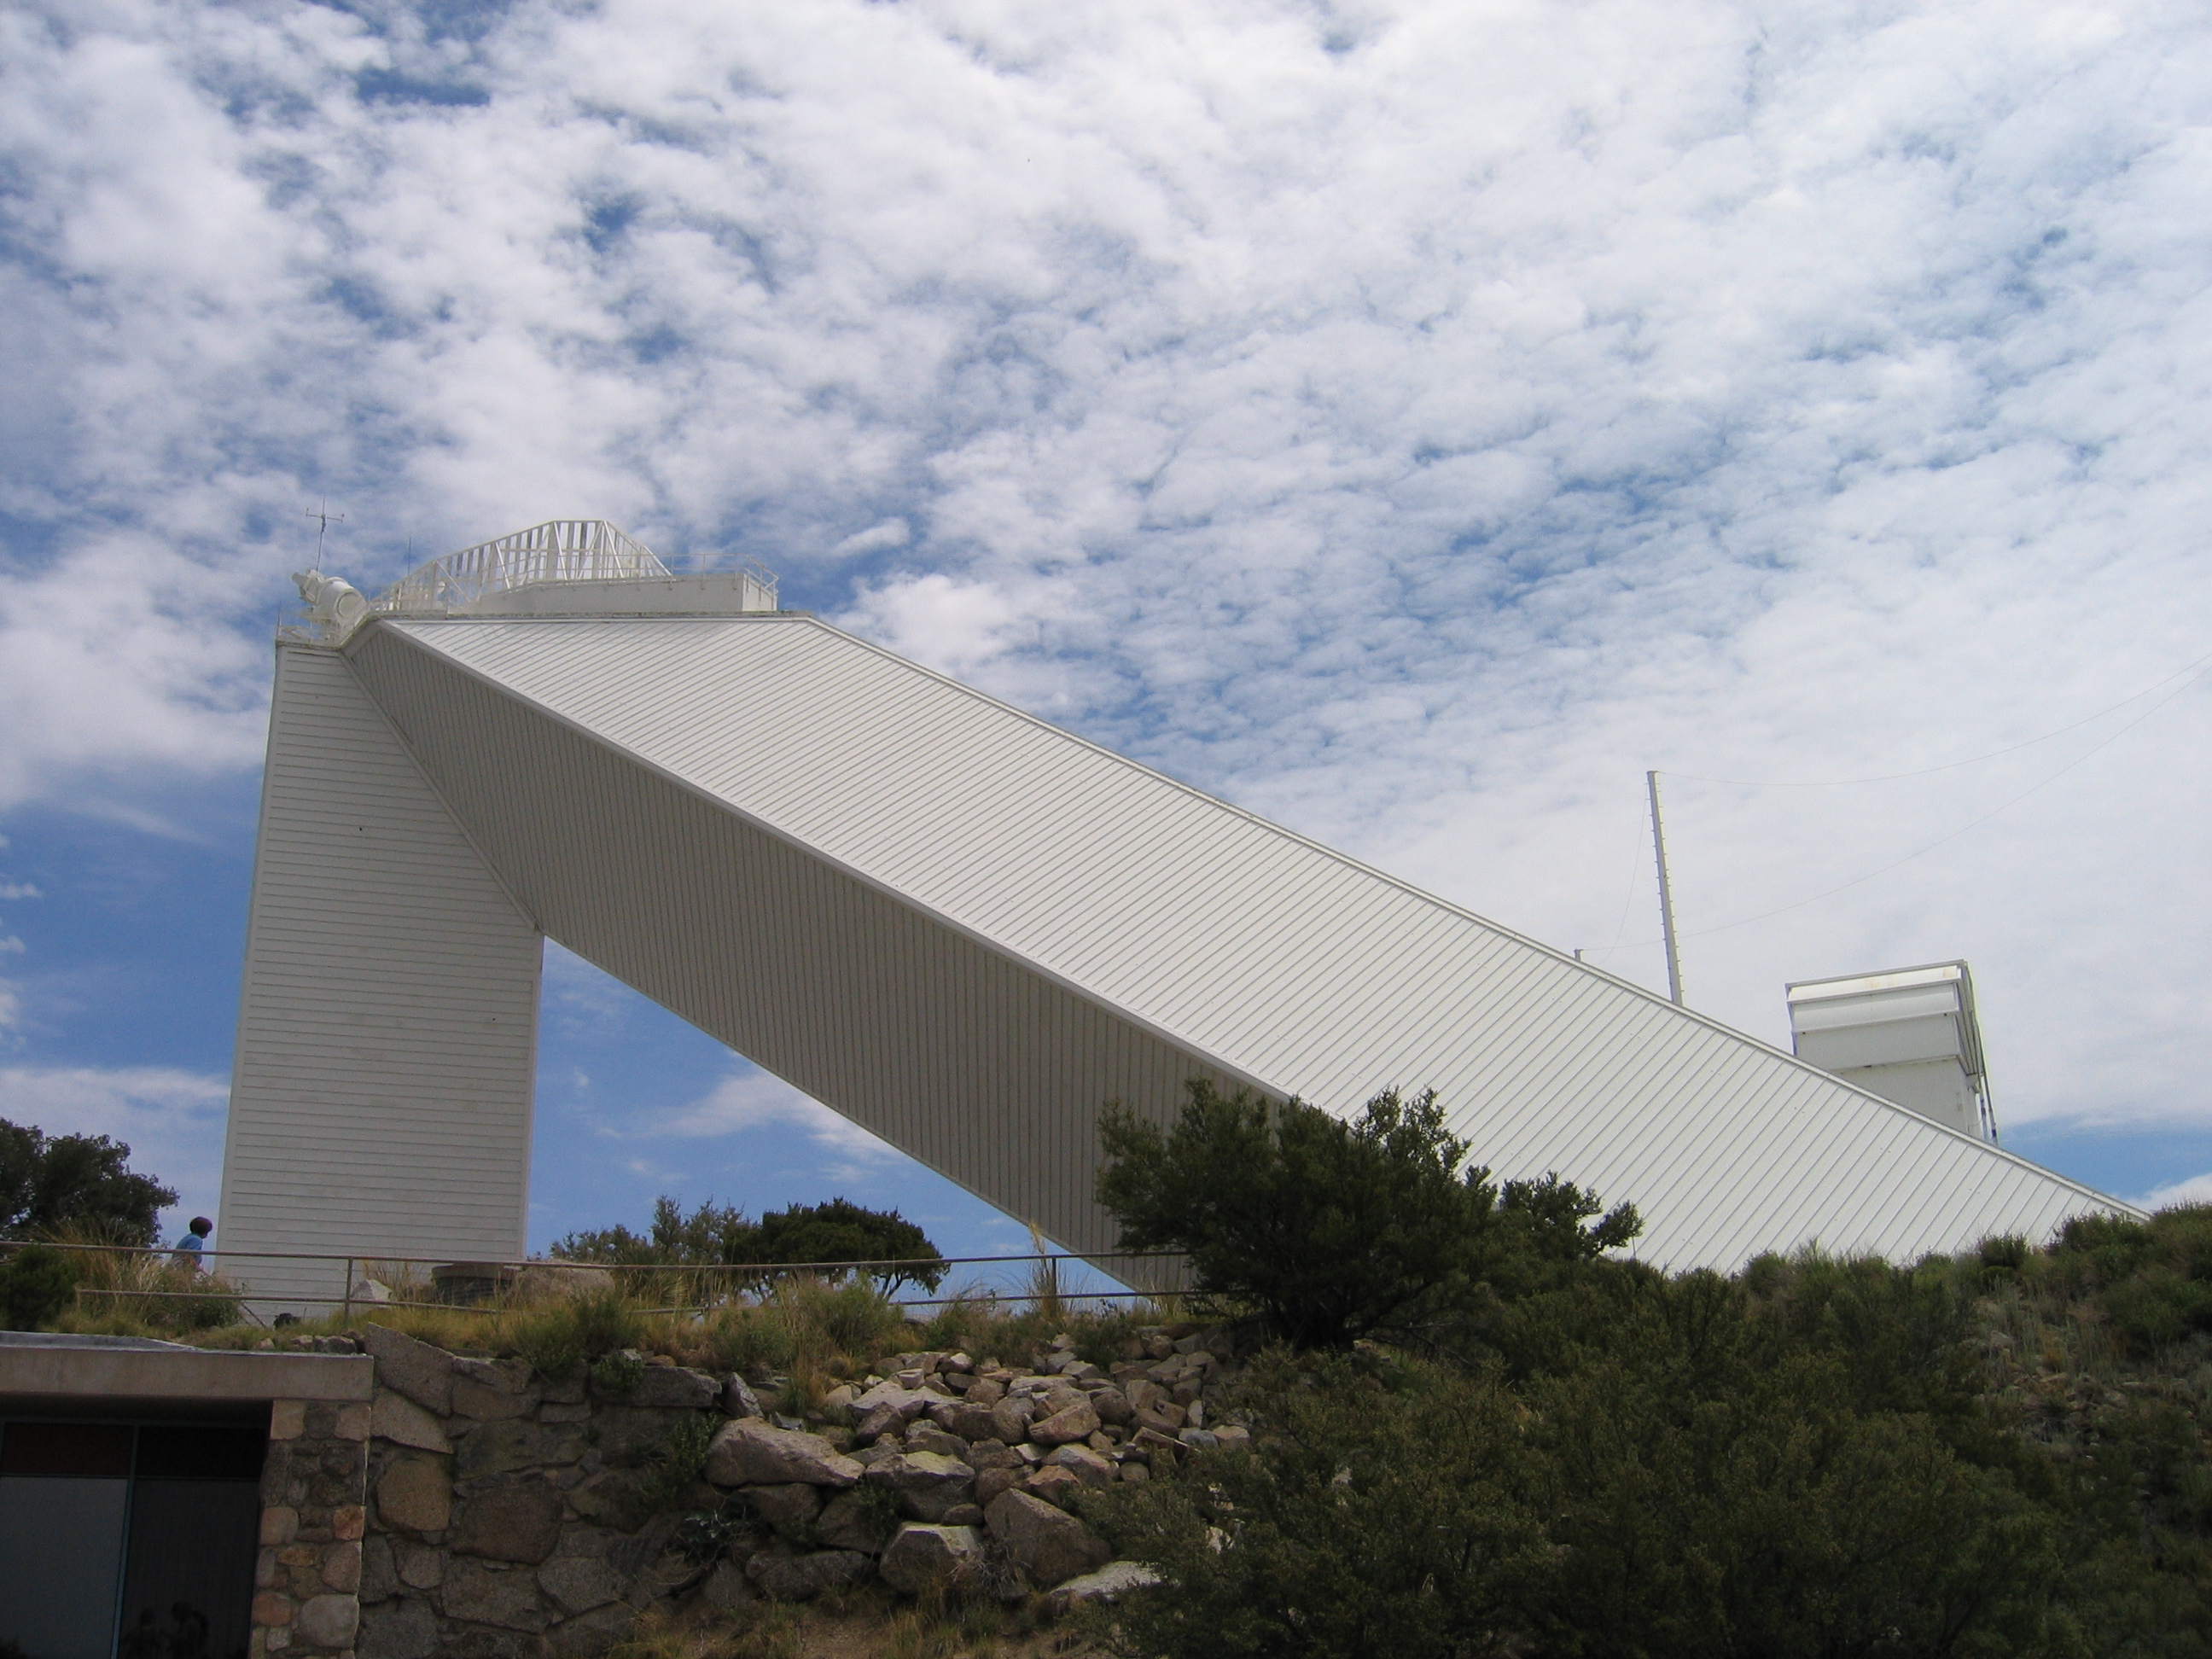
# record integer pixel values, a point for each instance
(380, 1097)
(951, 1051)
(1214, 936)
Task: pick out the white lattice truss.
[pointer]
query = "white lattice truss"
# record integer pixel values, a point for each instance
(558, 551)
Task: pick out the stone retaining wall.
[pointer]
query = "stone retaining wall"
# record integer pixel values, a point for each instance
(508, 1514)
(313, 1522)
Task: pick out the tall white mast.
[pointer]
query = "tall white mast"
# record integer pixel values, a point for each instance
(1666, 894)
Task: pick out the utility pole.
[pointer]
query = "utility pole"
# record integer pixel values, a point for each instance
(1666, 894)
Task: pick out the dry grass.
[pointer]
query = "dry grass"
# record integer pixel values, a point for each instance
(810, 1333)
(407, 1281)
(865, 1623)
(1044, 1278)
(141, 1293)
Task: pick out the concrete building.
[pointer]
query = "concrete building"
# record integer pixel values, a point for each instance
(961, 927)
(146, 1489)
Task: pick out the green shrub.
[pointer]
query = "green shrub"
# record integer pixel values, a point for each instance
(1102, 1338)
(616, 1375)
(605, 1322)
(881, 1507)
(1736, 1501)
(961, 1323)
(751, 1341)
(857, 1319)
(2108, 1247)
(2156, 1307)
(705, 1535)
(2154, 1279)
(36, 1284)
(1380, 1515)
(677, 1462)
(1689, 1486)
(1333, 1231)
(551, 1342)
(575, 1333)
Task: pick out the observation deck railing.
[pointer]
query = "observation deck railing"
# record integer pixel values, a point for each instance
(364, 1280)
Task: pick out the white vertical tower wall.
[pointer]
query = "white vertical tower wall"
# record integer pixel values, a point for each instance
(380, 1098)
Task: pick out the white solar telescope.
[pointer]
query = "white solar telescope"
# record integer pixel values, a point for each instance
(1908, 1035)
(963, 929)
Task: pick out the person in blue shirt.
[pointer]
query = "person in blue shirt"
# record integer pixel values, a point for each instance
(194, 1240)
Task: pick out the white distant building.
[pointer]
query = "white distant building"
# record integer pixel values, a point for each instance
(961, 927)
(1908, 1035)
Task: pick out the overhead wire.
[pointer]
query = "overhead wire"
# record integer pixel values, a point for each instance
(1628, 899)
(2194, 671)
(1951, 766)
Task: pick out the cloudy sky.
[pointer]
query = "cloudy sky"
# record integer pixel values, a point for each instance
(1410, 421)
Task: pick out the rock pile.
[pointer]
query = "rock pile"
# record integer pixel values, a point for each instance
(510, 1511)
(953, 1466)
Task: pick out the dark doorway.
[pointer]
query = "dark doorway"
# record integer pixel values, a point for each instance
(128, 1540)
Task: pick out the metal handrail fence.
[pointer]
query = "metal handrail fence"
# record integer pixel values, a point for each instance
(742, 1277)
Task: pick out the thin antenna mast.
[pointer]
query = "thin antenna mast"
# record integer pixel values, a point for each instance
(1666, 894)
(324, 518)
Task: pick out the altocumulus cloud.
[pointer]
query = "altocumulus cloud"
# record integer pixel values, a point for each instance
(1410, 421)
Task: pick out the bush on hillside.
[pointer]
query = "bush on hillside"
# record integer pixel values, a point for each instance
(712, 1234)
(1808, 1472)
(2154, 1278)
(51, 1181)
(1692, 1488)
(125, 1289)
(1328, 1231)
(1378, 1514)
(2009, 1452)
(36, 1283)
(721, 1236)
(841, 1230)
(583, 1330)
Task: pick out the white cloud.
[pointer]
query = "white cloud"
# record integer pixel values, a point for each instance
(1412, 421)
(955, 626)
(751, 1100)
(2197, 1189)
(172, 1120)
(876, 539)
(580, 996)
(17, 890)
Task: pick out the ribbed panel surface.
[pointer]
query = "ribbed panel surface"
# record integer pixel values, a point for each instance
(951, 1051)
(1215, 936)
(380, 1097)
